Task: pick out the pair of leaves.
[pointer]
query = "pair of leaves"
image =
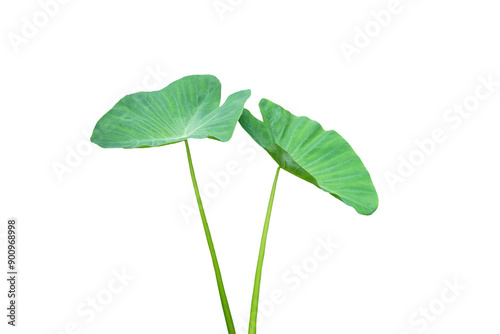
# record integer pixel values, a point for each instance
(189, 108)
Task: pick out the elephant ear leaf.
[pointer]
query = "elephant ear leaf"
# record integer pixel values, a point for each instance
(302, 147)
(187, 108)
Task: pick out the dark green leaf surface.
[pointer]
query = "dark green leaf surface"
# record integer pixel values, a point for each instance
(302, 147)
(187, 108)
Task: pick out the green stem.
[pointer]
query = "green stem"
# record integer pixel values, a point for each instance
(252, 329)
(222, 292)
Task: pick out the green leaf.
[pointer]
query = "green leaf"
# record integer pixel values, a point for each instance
(187, 108)
(302, 147)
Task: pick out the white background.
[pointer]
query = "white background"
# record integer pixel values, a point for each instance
(115, 210)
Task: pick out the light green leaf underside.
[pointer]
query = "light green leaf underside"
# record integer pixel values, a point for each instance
(187, 108)
(302, 147)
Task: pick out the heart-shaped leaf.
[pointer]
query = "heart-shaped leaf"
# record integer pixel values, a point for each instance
(187, 108)
(302, 147)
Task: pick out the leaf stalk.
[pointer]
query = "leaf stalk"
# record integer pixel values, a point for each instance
(252, 329)
(218, 275)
